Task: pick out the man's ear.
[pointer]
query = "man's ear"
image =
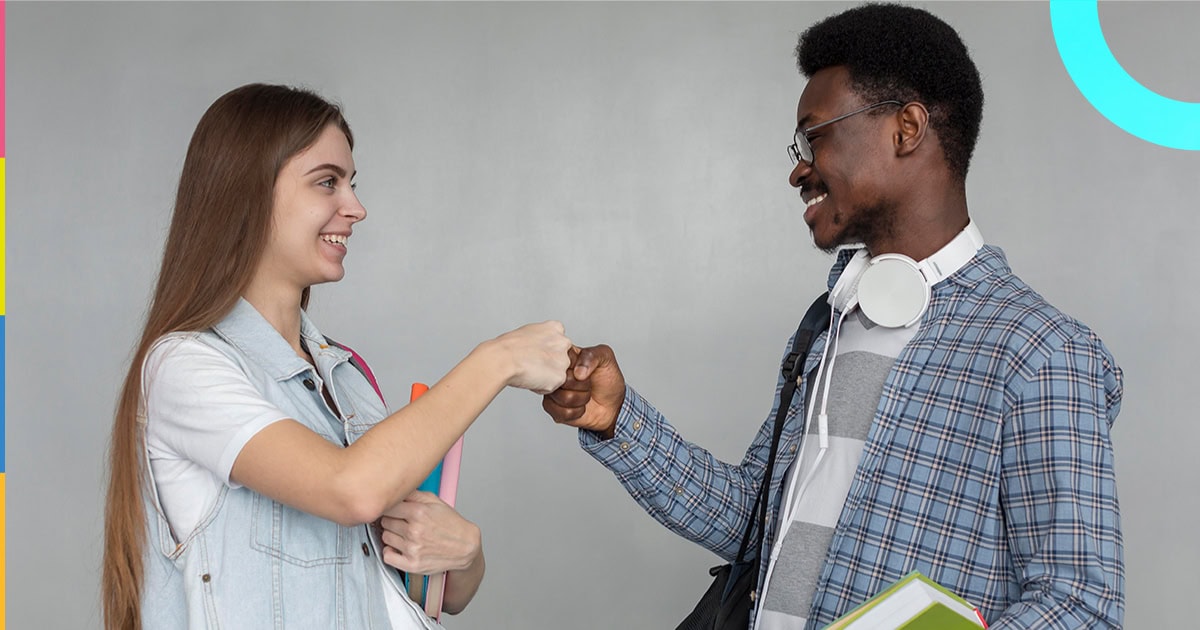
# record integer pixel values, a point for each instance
(914, 125)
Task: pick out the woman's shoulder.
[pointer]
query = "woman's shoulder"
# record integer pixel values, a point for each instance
(184, 349)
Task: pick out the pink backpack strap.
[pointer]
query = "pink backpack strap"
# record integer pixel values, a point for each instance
(358, 362)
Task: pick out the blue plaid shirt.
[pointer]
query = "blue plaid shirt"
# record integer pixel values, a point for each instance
(988, 467)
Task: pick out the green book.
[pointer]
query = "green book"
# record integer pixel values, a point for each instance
(915, 602)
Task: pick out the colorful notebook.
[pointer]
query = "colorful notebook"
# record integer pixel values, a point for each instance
(915, 602)
(429, 590)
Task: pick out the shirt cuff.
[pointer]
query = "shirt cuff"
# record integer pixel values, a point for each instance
(633, 434)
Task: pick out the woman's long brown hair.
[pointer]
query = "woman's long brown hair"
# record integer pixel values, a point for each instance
(219, 228)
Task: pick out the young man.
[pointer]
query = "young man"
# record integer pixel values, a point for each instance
(953, 421)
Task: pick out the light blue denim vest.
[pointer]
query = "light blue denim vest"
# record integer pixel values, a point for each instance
(253, 562)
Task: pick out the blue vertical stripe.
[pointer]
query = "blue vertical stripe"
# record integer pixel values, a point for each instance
(2, 405)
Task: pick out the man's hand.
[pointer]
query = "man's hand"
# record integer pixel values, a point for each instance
(592, 394)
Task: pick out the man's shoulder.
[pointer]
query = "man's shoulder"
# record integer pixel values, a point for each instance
(1006, 309)
(1008, 319)
(1012, 300)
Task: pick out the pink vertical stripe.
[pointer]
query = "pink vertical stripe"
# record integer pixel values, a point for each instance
(450, 467)
(2, 64)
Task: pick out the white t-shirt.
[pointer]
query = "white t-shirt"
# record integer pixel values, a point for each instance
(200, 410)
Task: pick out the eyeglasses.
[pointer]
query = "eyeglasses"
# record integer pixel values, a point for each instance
(801, 149)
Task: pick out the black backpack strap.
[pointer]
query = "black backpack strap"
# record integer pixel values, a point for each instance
(815, 320)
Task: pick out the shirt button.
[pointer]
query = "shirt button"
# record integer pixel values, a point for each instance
(206, 578)
(792, 448)
(366, 550)
(753, 595)
(624, 446)
(312, 387)
(678, 489)
(637, 426)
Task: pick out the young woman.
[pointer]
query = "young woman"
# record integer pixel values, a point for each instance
(257, 480)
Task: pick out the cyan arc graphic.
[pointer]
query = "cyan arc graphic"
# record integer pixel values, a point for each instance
(1116, 95)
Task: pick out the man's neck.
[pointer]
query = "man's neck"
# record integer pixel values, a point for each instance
(925, 223)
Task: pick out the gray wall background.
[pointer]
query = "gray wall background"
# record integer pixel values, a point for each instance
(618, 166)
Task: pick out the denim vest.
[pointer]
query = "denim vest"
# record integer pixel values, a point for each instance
(253, 562)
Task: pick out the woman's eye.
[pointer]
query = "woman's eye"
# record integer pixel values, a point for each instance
(328, 183)
(353, 185)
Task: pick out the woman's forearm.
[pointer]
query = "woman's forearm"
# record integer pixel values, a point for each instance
(461, 585)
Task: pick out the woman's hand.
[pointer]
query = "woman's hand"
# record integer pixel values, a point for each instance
(423, 535)
(537, 356)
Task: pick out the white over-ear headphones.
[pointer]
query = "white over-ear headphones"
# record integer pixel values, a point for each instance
(892, 289)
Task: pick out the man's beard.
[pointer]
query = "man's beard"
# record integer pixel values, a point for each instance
(867, 225)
